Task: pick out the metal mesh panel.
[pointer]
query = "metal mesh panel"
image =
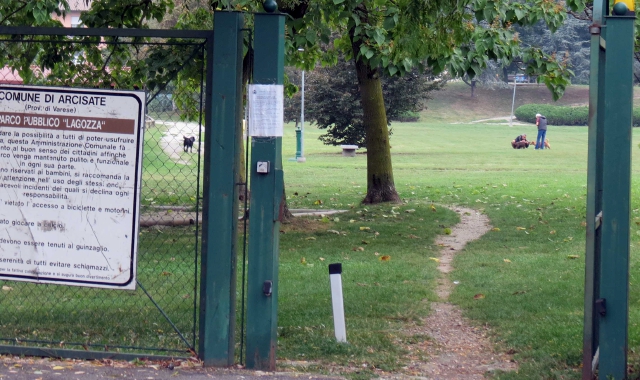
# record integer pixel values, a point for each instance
(160, 316)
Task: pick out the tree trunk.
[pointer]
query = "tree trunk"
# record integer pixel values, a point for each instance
(380, 185)
(505, 75)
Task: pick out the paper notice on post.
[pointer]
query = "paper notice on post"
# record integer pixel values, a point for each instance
(266, 110)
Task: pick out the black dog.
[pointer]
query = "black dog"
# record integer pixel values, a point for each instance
(188, 143)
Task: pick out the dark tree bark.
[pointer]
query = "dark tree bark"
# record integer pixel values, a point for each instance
(380, 184)
(471, 83)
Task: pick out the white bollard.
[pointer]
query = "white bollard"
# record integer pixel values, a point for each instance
(335, 275)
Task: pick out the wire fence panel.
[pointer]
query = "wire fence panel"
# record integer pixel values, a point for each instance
(161, 315)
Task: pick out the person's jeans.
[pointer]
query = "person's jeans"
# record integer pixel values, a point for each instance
(542, 133)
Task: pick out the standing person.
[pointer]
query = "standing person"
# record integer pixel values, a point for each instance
(541, 122)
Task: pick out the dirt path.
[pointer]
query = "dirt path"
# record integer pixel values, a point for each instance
(506, 120)
(456, 349)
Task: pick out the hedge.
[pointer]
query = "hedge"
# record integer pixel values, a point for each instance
(562, 115)
(407, 116)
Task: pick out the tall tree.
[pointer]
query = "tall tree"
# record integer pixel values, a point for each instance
(333, 100)
(394, 36)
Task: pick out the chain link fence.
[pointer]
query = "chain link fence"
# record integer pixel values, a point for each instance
(161, 315)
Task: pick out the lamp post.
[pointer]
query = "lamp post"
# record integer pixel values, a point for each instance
(300, 131)
(513, 101)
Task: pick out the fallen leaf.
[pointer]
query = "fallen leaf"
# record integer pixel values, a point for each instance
(385, 258)
(437, 260)
(334, 232)
(365, 242)
(303, 261)
(573, 256)
(321, 259)
(352, 221)
(317, 202)
(552, 232)
(4, 287)
(433, 208)
(447, 231)
(357, 249)
(495, 229)
(377, 253)
(583, 224)
(165, 273)
(310, 238)
(410, 210)
(57, 368)
(411, 236)
(365, 228)
(478, 296)
(520, 228)
(506, 260)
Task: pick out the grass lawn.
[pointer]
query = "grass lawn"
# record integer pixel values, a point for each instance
(530, 267)
(536, 202)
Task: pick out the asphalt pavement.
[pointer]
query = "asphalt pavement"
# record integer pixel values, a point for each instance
(20, 368)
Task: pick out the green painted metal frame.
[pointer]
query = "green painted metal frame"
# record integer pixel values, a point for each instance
(608, 196)
(221, 176)
(207, 35)
(594, 195)
(266, 197)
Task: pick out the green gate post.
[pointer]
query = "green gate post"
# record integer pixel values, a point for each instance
(266, 194)
(616, 193)
(220, 206)
(594, 193)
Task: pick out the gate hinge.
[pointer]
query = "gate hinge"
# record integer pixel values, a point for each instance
(601, 306)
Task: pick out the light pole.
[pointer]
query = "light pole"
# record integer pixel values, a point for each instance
(300, 132)
(513, 101)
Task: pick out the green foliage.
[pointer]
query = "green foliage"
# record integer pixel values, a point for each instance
(492, 36)
(333, 101)
(408, 116)
(572, 41)
(110, 62)
(562, 115)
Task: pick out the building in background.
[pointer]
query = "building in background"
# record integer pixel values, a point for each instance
(71, 20)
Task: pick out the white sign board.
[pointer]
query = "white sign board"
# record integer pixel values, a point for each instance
(70, 166)
(266, 110)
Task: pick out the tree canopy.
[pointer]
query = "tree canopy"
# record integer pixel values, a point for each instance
(383, 37)
(332, 100)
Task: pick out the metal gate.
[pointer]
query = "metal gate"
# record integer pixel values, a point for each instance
(161, 316)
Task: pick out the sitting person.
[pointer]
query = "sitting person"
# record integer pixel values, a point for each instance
(520, 142)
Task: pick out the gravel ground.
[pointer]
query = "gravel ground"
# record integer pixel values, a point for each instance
(457, 349)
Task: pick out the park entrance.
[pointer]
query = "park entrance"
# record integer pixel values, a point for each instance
(159, 314)
(183, 299)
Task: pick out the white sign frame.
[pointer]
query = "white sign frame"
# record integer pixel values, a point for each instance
(70, 175)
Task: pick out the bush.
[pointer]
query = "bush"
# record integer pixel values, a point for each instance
(562, 115)
(407, 116)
